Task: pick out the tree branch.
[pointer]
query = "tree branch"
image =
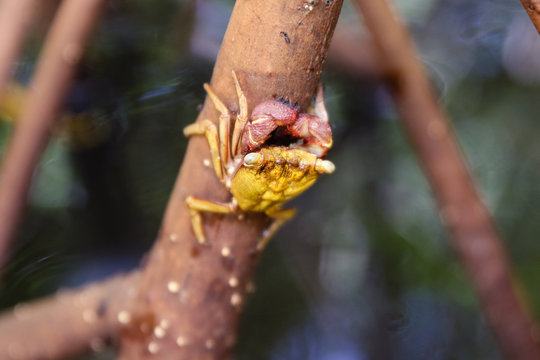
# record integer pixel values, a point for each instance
(473, 234)
(56, 68)
(15, 16)
(277, 48)
(533, 10)
(68, 323)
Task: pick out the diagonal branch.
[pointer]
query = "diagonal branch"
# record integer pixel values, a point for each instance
(69, 322)
(533, 10)
(473, 233)
(277, 48)
(15, 16)
(56, 68)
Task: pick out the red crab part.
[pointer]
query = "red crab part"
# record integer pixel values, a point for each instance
(316, 133)
(282, 114)
(265, 118)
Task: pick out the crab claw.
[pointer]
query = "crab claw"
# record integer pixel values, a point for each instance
(274, 110)
(265, 118)
(316, 133)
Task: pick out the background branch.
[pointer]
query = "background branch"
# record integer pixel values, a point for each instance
(57, 65)
(69, 322)
(199, 291)
(15, 18)
(533, 10)
(473, 234)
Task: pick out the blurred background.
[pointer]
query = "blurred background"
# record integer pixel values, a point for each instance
(365, 271)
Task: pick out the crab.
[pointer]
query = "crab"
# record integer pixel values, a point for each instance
(270, 157)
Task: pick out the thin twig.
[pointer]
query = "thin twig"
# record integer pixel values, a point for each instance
(69, 322)
(199, 291)
(56, 68)
(15, 16)
(533, 10)
(473, 234)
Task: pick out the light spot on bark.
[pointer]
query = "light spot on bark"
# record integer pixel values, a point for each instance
(173, 287)
(153, 347)
(225, 251)
(124, 317)
(165, 323)
(233, 282)
(181, 341)
(159, 332)
(209, 344)
(236, 299)
(89, 316)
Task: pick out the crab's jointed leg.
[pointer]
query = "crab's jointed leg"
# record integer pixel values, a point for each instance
(313, 127)
(241, 119)
(320, 108)
(218, 140)
(224, 124)
(196, 206)
(209, 130)
(280, 216)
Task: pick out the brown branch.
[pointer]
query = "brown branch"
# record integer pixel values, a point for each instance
(15, 16)
(58, 62)
(68, 323)
(533, 10)
(473, 234)
(198, 292)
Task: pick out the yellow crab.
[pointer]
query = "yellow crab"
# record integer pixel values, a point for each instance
(269, 159)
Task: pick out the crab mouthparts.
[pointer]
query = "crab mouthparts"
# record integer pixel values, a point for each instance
(312, 148)
(282, 138)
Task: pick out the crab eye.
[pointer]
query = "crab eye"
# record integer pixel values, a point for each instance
(253, 159)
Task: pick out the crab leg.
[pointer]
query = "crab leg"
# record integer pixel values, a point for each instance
(196, 206)
(224, 123)
(281, 216)
(208, 129)
(320, 107)
(241, 119)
